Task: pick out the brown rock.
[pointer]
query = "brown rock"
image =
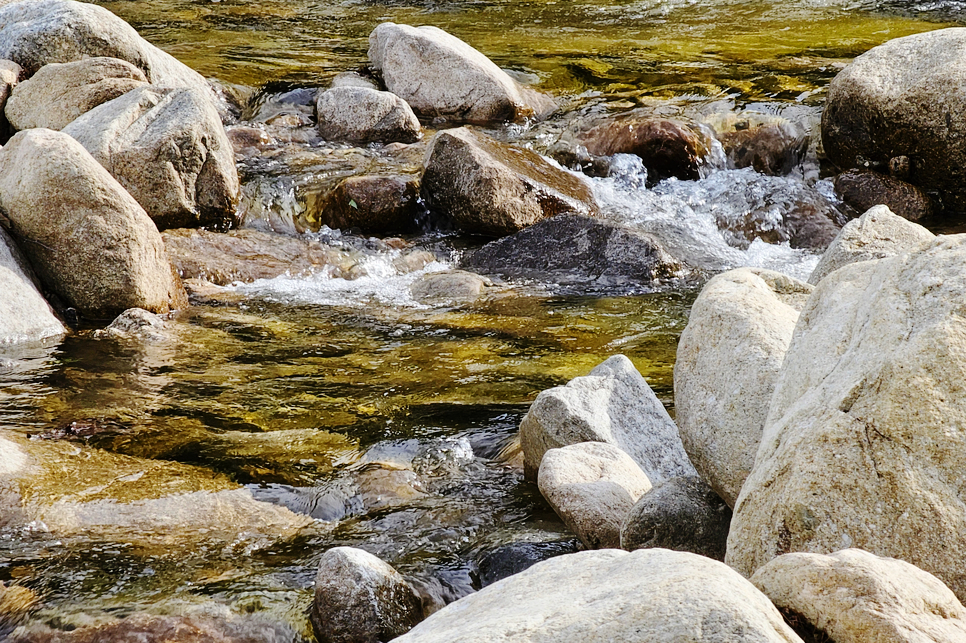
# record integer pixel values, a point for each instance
(492, 189)
(863, 189)
(769, 148)
(373, 204)
(87, 238)
(667, 147)
(60, 92)
(247, 255)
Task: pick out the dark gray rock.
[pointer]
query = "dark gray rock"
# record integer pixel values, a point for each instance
(507, 560)
(864, 189)
(577, 249)
(361, 599)
(683, 514)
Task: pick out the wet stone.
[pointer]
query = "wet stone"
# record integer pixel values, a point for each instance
(864, 189)
(507, 560)
(373, 205)
(769, 148)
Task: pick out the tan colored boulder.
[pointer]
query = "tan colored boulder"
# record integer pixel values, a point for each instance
(592, 486)
(10, 74)
(25, 316)
(612, 404)
(60, 92)
(492, 189)
(646, 596)
(360, 115)
(878, 233)
(856, 597)
(439, 75)
(34, 34)
(862, 445)
(863, 189)
(168, 148)
(87, 238)
(361, 599)
(726, 367)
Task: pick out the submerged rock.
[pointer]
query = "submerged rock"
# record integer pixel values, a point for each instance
(448, 286)
(134, 323)
(439, 75)
(25, 316)
(361, 115)
(361, 599)
(90, 242)
(168, 148)
(877, 234)
(598, 252)
(853, 596)
(860, 447)
(592, 486)
(612, 404)
(60, 92)
(34, 34)
(864, 189)
(726, 367)
(683, 514)
(769, 144)
(492, 189)
(247, 255)
(373, 204)
(610, 595)
(903, 99)
(667, 147)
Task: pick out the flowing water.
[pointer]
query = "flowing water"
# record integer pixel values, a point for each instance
(383, 419)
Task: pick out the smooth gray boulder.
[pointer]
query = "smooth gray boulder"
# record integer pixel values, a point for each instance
(598, 253)
(647, 596)
(876, 234)
(360, 115)
(612, 404)
(898, 107)
(683, 514)
(354, 79)
(726, 367)
(592, 486)
(862, 445)
(87, 238)
(853, 596)
(488, 188)
(34, 34)
(25, 316)
(361, 599)
(168, 148)
(450, 286)
(60, 92)
(439, 75)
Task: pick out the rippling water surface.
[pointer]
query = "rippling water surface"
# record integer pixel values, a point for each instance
(384, 419)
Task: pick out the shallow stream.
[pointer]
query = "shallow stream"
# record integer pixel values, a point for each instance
(384, 419)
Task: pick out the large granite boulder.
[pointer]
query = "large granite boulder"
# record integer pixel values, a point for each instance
(878, 233)
(650, 595)
(25, 316)
(726, 367)
(60, 92)
(683, 514)
(439, 75)
(592, 486)
(360, 115)
(861, 446)
(86, 237)
(853, 596)
(900, 104)
(34, 34)
(612, 404)
(488, 188)
(361, 599)
(168, 148)
(598, 252)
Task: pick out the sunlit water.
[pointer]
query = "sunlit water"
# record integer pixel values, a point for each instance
(379, 416)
